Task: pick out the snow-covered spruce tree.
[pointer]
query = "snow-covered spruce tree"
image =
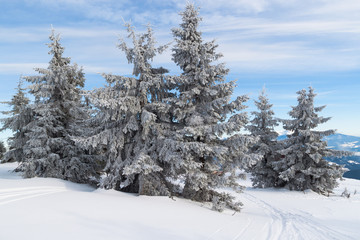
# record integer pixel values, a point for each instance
(195, 150)
(50, 150)
(303, 165)
(262, 125)
(2, 149)
(130, 117)
(20, 115)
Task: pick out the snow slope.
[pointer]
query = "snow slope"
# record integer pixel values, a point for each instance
(54, 209)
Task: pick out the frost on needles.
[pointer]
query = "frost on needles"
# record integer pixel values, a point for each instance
(200, 112)
(131, 117)
(19, 116)
(262, 126)
(49, 150)
(161, 135)
(303, 165)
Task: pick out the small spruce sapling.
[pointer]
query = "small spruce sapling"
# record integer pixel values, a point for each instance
(262, 125)
(2, 149)
(19, 116)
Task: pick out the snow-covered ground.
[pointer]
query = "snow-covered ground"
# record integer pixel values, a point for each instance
(54, 209)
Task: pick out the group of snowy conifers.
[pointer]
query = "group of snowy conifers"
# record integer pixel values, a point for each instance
(157, 134)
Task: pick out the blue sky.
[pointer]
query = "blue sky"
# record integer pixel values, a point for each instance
(287, 45)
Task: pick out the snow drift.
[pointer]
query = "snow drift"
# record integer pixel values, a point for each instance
(47, 208)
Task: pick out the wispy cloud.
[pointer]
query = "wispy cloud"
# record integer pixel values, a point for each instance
(260, 27)
(248, 30)
(20, 68)
(343, 9)
(98, 9)
(21, 34)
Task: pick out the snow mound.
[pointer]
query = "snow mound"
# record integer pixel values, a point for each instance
(54, 209)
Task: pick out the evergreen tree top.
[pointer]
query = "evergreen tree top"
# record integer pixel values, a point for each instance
(263, 122)
(263, 102)
(18, 101)
(193, 55)
(191, 20)
(56, 50)
(305, 115)
(60, 78)
(143, 50)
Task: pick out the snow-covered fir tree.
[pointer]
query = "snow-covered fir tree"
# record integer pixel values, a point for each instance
(303, 165)
(49, 150)
(129, 120)
(262, 125)
(20, 115)
(196, 151)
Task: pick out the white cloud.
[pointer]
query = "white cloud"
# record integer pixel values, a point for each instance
(91, 69)
(286, 56)
(249, 33)
(40, 34)
(109, 10)
(85, 33)
(335, 8)
(320, 94)
(259, 27)
(20, 68)
(282, 8)
(22, 34)
(245, 6)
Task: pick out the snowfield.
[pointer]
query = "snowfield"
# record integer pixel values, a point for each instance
(53, 209)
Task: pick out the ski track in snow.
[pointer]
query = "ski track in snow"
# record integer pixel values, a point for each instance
(17, 194)
(285, 225)
(243, 230)
(263, 218)
(228, 226)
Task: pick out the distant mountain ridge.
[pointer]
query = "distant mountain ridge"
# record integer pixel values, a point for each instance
(344, 143)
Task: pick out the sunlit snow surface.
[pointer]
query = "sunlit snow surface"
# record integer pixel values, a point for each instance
(53, 209)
